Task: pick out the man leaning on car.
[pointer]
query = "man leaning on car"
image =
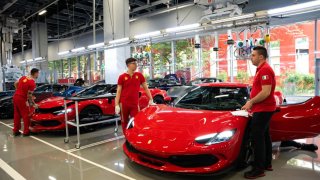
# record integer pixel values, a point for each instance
(262, 104)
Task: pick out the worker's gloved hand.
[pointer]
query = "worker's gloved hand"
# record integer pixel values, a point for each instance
(27, 104)
(151, 103)
(36, 106)
(117, 110)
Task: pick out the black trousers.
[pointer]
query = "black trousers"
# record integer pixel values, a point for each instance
(261, 141)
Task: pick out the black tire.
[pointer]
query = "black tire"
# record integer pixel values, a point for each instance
(90, 112)
(246, 151)
(158, 100)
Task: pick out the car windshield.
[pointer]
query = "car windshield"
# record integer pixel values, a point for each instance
(43, 88)
(94, 90)
(214, 98)
(201, 81)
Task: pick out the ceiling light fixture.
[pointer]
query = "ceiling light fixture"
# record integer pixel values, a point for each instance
(63, 53)
(96, 45)
(42, 12)
(182, 28)
(119, 41)
(235, 18)
(146, 35)
(78, 49)
(295, 9)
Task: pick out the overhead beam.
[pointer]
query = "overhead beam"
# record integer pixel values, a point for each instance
(139, 3)
(51, 21)
(76, 14)
(7, 6)
(80, 28)
(149, 5)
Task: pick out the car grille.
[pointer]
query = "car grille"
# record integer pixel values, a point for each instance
(50, 123)
(185, 161)
(48, 111)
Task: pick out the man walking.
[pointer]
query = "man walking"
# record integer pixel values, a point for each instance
(22, 100)
(127, 98)
(262, 104)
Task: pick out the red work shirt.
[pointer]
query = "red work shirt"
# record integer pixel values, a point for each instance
(130, 87)
(25, 84)
(264, 76)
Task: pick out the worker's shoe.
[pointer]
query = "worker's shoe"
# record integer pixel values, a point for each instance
(269, 168)
(16, 133)
(254, 173)
(309, 147)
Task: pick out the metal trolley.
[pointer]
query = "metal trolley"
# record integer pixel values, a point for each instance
(77, 124)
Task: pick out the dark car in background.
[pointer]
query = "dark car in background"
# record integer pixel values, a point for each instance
(6, 93)
(41, 93)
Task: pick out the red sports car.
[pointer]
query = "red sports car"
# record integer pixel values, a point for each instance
(50, 115)
(202, 134)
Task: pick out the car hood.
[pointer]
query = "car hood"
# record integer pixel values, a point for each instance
(165, 126)
(52, 102)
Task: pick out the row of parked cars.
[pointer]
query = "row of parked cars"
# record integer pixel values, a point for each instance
(200, 132)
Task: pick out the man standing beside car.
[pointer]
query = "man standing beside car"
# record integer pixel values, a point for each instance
(22, 100)
(262, 104)
(127, 98)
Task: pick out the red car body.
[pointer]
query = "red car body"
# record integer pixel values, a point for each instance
(44, 119)
(163, 137)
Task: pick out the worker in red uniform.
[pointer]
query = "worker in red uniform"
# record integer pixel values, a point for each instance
(262, 104)
(23, 100)
(127, 98)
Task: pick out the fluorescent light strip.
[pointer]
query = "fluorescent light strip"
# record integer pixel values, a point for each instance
(118, 41)
(96, 45)
(38, 58)
(78, 49)
(146, 35)
(21, 62)
(42, 12)
(63, 53)
(246, 16)
(181, 28)
(29, 60)
(296, 9)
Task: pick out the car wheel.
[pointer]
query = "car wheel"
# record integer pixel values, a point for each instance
(158, 100)
(90, 114)
(246, 152)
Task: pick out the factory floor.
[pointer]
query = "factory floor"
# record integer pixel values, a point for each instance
(46, 156)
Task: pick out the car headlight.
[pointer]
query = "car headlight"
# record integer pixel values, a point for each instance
(131, 123)
(215, 138)
(69, 110)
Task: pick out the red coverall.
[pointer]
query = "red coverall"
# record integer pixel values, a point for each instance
(129, 98)
(20, 98)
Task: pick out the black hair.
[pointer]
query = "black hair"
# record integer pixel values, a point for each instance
(130, 60)
(34, 71)
(261, 51)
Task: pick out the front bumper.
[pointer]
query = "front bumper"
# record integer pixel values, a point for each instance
(49, 122)
(196, 163)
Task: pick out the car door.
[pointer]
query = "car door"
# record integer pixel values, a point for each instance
(296, 121)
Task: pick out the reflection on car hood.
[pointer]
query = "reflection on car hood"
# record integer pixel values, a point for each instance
(165, 122)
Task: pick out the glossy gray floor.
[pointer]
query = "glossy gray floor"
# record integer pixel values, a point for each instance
(46, 156)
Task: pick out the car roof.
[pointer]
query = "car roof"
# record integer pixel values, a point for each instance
(224, 84)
